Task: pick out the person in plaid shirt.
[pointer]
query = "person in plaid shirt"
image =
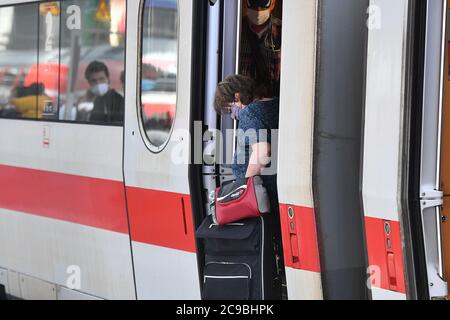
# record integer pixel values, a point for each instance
(260, 49)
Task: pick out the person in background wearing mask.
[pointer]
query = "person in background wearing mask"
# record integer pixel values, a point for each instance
(108, 104)
(260, 50)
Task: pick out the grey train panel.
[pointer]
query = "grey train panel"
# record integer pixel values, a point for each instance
(338, 147)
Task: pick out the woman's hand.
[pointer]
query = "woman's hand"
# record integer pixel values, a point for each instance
(259, 159)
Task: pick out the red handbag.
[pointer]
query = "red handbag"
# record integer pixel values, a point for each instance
(239, 200)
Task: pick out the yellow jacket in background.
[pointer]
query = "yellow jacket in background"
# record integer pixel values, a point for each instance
(29, 107)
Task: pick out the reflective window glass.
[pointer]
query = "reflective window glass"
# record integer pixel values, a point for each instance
(47, 68)
(20, 90)
(92, 61)
(159, 69)
(63, 60)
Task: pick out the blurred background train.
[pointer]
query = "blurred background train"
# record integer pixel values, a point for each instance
(99, 210)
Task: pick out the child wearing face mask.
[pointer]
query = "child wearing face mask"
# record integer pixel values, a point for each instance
(260, 50)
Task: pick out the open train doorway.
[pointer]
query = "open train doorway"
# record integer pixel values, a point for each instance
(242, 37)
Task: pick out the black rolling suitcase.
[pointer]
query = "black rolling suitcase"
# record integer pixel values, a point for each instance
(240, 260)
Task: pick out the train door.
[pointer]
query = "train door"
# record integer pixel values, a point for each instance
(445, 160)
(382, 162)
(157, 149)
(295, 150)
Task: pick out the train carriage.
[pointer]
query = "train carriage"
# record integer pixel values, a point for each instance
(107, 207)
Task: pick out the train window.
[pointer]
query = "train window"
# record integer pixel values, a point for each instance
(21, 95)
(159, 69)
(92, 61)
(63, 60)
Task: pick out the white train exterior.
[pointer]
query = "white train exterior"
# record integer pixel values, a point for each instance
(99, 212)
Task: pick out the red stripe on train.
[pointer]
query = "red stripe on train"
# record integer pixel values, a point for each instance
(87, 201)
(156, 218)
(300, 245)
(161, 218)
(384, 248)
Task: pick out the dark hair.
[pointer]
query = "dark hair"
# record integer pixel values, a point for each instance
(247, 88)
(94, 67)
(32, 90)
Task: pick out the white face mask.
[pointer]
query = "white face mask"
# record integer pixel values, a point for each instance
(258, 17)
(100, 89)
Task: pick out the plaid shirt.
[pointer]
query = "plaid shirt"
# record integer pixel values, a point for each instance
(260, 57)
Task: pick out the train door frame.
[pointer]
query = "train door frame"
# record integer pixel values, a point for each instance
(445, 158)
(415, 266)
(420, 185)
(295, 141)
(218, 58)
(198, 89)
(430, 194)
(202, 178)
